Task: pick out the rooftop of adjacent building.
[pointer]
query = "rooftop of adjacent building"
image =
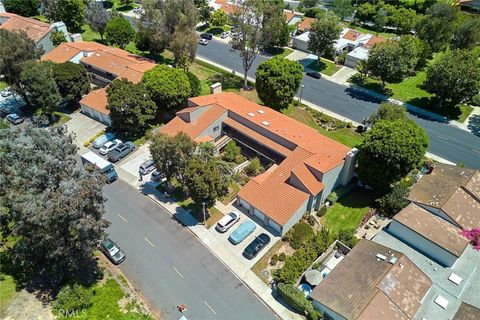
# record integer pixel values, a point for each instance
(35, 29)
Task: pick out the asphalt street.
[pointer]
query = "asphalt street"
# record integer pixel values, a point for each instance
(170, 266)
(446, 141)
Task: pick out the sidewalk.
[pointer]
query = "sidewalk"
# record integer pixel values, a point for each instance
(241, 270)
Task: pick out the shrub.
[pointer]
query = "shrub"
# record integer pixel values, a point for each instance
(274, 260)
(71, 298)
(194, 84)
(232, 153)
(302, 233)
(295, 265)
(347, 237)
(311, 220)
(394, 200)
(282, 256)
(294, 298)
(332, 197)
(254, 167)
(314, 315)
(322, 211)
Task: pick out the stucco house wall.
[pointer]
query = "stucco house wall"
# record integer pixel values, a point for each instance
(215, 129)
(331, 180)
(92, 113)
(415, 240)
(295, 218)
(45, 43)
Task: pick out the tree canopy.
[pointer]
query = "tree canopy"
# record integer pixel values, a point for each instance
(323, 34)
(343, 8)
(171, 154)
(389, 111)
(387, 61)
(277, 81)
(454, 77)
(26, 8)
(97, 17)
(218, 18)
(390, 150)
(119, 31)
(437, 26)
(54, 206)
(276, 32)
(15, 49)
(467, 34)
(72, 81)
(168, 87)
(39, 86)
(130, 106)
(68, 11)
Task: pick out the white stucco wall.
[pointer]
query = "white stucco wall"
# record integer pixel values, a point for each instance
(45, 43)
(422, 244)
(94, 114)
(217, 123)
(331, 180)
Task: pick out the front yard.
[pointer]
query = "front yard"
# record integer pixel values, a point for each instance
(325, 66)
(347, 213)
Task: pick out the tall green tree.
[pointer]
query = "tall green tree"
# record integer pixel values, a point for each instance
(168, 87)
(275, 29)
(454, 77)
(57, 38)
(204, 181)
(437, 26)
(54, 206)
(26, 8)
(97, 17)
(171, 154)
(386, 61)
(15, 49)
(325, 31)
(390, 150)
(204, 13)
(71, 12)
(412, 51)
(467, 34)
(119, 31)
(72, 81)
(218, 18)
(39, 86)
(247, 16)
(343, 8)
(403, 19)
(390, 112)
(277, 81)
(131, 108)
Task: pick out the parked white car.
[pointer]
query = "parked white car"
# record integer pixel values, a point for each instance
(225, 34)
(227, 221)
(109, 146)
(203, 42)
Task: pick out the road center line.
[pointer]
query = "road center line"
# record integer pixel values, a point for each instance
(175, 269)
(148, 241)
(443, 138)
(209, 307)
(477, 151)
(123, 218)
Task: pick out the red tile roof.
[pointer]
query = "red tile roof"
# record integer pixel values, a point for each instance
(66, 51)
(373, 41)
(306, 24)
(307, 178)
(36, 30)
(97, 100)
(288, 15)
(352, 35)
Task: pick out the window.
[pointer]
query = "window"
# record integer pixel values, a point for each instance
(216, 128)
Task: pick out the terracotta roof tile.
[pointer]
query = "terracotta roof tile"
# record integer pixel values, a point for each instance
(467, 312)
(306, 24)
(97, 100)
(66, 51)
(473, 185)
(288, 15)
(36, 30)
(352, 35)
(433, 228)
(373, 41)
(114, 61)
(307, 178)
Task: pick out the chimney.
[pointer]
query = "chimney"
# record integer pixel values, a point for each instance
(76, 37)
(216, 88)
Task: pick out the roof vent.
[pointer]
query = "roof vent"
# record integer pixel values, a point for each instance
(441, 301)
(261, 111)
(455, 278)
(265, 123)
(392, 260)
(251, 114)
(381, 257)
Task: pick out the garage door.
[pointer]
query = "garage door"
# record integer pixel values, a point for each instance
(244, 204)
(258, 214)
(275, 226)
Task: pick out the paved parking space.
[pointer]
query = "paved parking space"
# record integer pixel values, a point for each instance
(83, 127)
(133, 161)
(237, 250)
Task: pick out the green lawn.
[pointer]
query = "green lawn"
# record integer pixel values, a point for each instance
(348, 211)
(62, 118)
(89, 35)
(371, 31)
(233, 190)
(280, 52)
(7, 291)
(3, 85)
(119, 6)
(324, 66)
(215, 30)
(345, 136)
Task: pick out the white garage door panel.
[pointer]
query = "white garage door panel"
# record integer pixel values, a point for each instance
(275, 226)
(244, 204)
(258, 214)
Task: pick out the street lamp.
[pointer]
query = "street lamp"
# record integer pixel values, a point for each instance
(204, 216)
(301, 94)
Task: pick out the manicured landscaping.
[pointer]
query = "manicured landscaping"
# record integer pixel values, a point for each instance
(7, 291)
(348, 211)
(3, 85)
(280, 52)
(62, 118)
(119, 6)
(90, 35)
(215, 30)
(371, 31)
(263, 262)
(324, 66)
(233, 190)
(346, 136)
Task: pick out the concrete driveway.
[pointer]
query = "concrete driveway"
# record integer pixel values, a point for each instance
(235, 251)
(83, 128)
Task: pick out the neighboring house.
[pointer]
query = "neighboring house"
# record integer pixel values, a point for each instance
(427, 232)
(307, 165)
(38, 31)
(104, 64)
(372, 282)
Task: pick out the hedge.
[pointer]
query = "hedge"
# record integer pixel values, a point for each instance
(71, 298)
(294, 298)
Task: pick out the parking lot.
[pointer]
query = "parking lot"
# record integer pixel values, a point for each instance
(237, 250)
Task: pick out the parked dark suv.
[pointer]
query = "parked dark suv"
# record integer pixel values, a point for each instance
(121, 151)
(207, 36)
(256, 246)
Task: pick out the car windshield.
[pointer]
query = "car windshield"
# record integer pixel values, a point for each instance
(118, 255)
(250, 249)
(233, 215)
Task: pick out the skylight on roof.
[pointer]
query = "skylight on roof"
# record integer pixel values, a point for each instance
(455, 278)
(265, 123)
(261, 111)
(251, 114)
(441, 301)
